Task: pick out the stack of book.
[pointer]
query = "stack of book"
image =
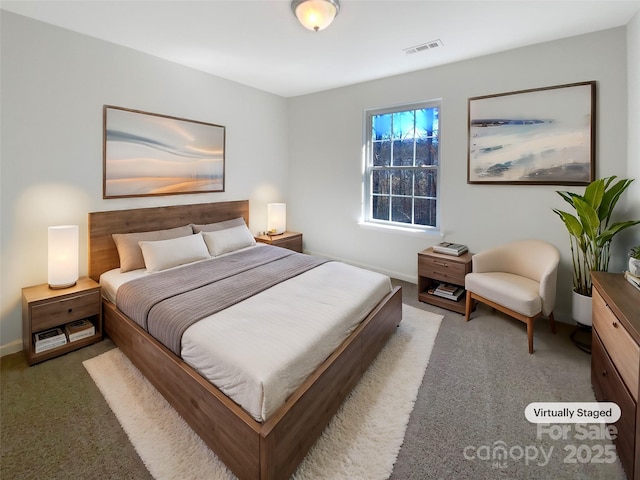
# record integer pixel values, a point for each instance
(447, 248)
(79, 329)
(632, 279)
(450, 292)
(49, 339)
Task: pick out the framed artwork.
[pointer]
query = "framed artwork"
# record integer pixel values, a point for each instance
(543, 136)
(146, 154)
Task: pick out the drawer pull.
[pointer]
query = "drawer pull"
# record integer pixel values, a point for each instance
(70, 310)
(604, 373)
(615, 324)
(442, 264)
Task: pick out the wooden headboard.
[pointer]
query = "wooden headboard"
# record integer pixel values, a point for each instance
(103, 255)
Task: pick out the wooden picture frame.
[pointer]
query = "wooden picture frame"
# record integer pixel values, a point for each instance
(148, 154)
(541, 136)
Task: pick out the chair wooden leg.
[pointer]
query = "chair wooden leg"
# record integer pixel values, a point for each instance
(553, 322)
(468, 306)
(530, 334)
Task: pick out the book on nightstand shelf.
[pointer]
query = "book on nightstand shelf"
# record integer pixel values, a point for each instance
(450, 292)
(632, 279)
(79, 329)
(448, 248)
(49, 339)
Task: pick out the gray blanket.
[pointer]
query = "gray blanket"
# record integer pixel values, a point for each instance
(166, 303)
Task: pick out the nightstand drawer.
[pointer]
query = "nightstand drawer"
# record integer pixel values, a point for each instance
(622, 349)
(290, 240)
(442, 269)
(67, 309)
(294, 243)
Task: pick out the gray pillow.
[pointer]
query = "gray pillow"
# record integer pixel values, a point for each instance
(216, 227)
(129, 251)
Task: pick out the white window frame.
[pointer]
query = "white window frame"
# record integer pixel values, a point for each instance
(368, 168)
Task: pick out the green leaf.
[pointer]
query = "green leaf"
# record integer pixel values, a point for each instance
(571, 222)
(614, 229)
(568, 197)
(611, 197)
(594, 192)
(588, 218)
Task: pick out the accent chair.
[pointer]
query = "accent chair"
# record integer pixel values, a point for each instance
(518, 279)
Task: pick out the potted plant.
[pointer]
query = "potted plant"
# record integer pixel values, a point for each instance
(590, 234)
(634, 261)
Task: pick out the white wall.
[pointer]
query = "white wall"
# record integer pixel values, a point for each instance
(631, 237)
(54, 84)
(325, 148)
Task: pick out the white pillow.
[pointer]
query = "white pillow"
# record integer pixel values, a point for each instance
(163, 254)
(228, 240)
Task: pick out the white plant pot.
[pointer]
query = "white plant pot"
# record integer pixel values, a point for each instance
(581, 309)
(634, 266)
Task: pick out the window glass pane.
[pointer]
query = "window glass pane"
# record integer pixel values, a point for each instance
(381, 126)
(403, 124)
(380, 181)
(426, 151)
(401, 209)
(382, 153)
(427, 183)
(425, 212)
(426, 122)
(402, 183)
(380, 210)
(403, 153)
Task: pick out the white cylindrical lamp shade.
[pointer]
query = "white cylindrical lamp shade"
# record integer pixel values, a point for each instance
(63, 256)
(276, 218)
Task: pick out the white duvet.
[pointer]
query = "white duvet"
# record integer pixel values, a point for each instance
(259, 351)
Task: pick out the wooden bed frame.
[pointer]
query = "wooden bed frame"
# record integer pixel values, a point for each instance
(251, 450)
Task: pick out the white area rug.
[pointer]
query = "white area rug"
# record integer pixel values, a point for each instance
(361, 442)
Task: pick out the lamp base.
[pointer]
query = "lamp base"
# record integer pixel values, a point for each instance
(61, 287)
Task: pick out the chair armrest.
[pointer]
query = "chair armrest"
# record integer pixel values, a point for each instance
(548, 290)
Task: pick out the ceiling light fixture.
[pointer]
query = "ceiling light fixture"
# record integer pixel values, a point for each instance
(315, 14)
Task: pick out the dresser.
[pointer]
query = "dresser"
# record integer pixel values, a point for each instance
(615, 362)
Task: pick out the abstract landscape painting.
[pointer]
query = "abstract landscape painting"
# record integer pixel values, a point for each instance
(538, 136)
(150, 154)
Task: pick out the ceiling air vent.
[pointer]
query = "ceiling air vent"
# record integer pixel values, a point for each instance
(422, 47)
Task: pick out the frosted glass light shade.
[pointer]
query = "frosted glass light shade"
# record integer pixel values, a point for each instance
(276, 218)
(315, 14)
(63, 256)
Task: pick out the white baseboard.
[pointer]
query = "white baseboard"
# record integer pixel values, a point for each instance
(11, 347)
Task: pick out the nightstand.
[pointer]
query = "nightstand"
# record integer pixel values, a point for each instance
(434, 268)
(290, 240)
(44, 308)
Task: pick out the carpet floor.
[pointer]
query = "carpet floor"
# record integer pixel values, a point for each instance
(362, 440)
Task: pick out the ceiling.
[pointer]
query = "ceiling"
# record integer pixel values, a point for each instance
(261, 44)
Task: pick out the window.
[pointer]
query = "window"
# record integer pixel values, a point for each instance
(402, 163)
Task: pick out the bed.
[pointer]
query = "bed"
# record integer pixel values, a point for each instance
(252, 449)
